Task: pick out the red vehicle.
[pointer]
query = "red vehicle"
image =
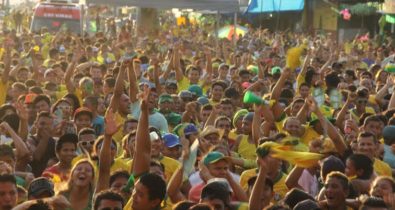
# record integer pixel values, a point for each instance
(57, 16)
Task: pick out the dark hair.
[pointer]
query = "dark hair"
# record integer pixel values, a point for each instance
(66, 138)
(4, 108)
(219, 83)
(373, 202)
(44, 114)
(86, 131)
(4, 178)
(12, 120)
(6, 150)
(30, 83)
(220, 118)
(55, 105)
(40, 205)
(154, 163)
(341, 177)
(94, 100)
(295, 196)
(42, 97)
(155, 184)
(231, 93)
(110, 82)
(268, 182)
(362, 162)
(36, 90)
(207, 107)
(368, 135)
(183, 205)
(373, 118)
(201, 206)
(76, 102)
(107, 195)
(119, 174)
(153, 129)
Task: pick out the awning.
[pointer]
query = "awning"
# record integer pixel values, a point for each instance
(220, 5)
(261, 6)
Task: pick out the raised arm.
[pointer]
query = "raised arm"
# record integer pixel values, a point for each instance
(70, 70)
(7, 63)
(176, 61)
(133, 88)
(118, 89)
(331, 130)
(255, 202)
(142, 153)
(293, 177)
(21, 149)
(111, 128)
(340, 118)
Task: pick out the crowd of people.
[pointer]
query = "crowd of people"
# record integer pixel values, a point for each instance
(182, 121)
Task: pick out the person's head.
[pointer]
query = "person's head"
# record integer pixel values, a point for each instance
(373, 203)
(86, 86)
(22, 74)
(211, 135)
(82, 175)
(247, 123)
(98, 146)
(296, 105)
(193, 74)
(108, 85)
(96, 72)
(8, 192)
(336, 189)
(293, 126)
(7, 155)
(331, 164)
(268, 192)
(382, 186)
(42, 103)
(217, 193)
(65, 148)
(86, 139)
(217, 90)
(205, 112)
(171, 87)
(224, 123)
(129, 125)
(83, 118)
(367, 144)
(295, 196)
(227, 108)
(118, 180)
(165, 103)
(108, 199)
(40, 188)
(362, 99)
(148, 193)
(156, 142)
(43, 122)
(91, 102)
(172, 146)
(360, 166)
(304, 90)
(374, 124)
(124, 103)
(62, 109)
(217, 164)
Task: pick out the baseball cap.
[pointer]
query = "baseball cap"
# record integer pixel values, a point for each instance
(203, 100)
(171, 84)
(171, 140)
(154, 136)
(165, 98)
(83, 110)
(185, 94)
(39, 186)
(209, 130)
(253, 68)
(216, 190)
(173, 118)
(223, 65)
(190, 129)
(239, 114)
(213, 157)
(196, 90)
(276, 70)
(389, 132)
(29, 98)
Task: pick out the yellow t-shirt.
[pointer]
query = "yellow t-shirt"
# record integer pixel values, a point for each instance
(3, 92)
(367, 110)
(309, 135)
(279, 188)
(382, 168)
(119, 135)
(184, 84)
(245, 149)
(170, 165)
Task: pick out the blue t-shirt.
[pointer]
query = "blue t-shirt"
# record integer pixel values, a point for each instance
(98, 125)
(389, 156)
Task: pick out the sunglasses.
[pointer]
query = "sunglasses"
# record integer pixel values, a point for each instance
(85, 143)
